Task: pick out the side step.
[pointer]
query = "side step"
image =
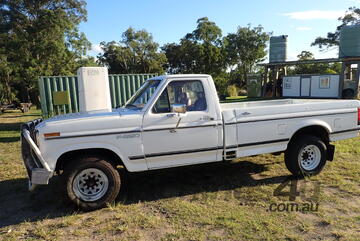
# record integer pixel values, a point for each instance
(229, 155)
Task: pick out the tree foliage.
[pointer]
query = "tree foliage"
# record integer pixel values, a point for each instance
(244, 49)
(332, 39)
(200, 51)
(317, 68)
(40, 37)
(135, 53)
(205, 51)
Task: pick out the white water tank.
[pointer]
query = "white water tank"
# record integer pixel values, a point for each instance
(94, 90)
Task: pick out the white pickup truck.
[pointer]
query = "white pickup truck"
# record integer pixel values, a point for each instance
(177, 120)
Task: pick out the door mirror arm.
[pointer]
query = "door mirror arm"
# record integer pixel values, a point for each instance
(180, 109)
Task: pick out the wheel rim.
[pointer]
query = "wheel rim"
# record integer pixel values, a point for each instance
(309, 157)
(90, 184)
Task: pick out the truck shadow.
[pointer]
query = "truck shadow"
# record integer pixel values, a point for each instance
(18, 205)
(177, 182)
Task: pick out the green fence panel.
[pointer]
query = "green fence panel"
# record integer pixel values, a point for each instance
(122, 87)
(254, 85)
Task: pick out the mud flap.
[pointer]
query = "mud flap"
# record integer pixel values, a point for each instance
(330, 152)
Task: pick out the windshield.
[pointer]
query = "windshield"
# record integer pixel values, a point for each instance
(142, 96)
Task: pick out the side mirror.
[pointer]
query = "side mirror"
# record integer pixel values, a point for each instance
(178, 108)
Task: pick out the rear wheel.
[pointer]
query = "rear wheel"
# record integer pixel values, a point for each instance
(306, 156)
(92, 182)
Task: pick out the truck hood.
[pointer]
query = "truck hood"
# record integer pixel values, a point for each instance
(93, 122)
(90, 115)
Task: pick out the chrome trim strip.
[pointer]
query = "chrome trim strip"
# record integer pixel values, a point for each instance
(127, 132)
(181, 127)
(203, 149)
(96, 134)
(294, 117)
(343, 131)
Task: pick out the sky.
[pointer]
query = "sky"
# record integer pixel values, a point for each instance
(170, 20)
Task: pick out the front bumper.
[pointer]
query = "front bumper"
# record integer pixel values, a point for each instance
(38, 171)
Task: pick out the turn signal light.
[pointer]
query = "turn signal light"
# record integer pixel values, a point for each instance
(52, 134)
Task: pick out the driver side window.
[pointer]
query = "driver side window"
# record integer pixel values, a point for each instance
(190, 93)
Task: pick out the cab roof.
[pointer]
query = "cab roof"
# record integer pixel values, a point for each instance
(175, 76)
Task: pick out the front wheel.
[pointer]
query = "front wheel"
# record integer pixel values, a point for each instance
(306, 156)
(92, 182)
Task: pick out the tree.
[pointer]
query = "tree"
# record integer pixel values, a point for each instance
(6, 94)
(200, 51)
(305, 55)
(332, 39)
(41, 38)
(135, 53)
(244, 49)
(317, 68)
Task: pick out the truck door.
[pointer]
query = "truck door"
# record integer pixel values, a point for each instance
(196, 140)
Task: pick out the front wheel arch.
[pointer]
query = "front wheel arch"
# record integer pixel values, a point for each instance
(65, 158)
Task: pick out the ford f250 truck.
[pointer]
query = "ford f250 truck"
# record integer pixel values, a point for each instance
(177, 120)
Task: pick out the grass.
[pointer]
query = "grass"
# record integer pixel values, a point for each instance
(220, 201)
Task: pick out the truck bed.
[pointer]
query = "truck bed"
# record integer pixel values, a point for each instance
(289, 102)
(288, 107)
(258, 127)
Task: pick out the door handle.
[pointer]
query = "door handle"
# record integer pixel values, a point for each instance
(207, 118)
(245, 113)
(170, 115)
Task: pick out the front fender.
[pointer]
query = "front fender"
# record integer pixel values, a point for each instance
(130, 165)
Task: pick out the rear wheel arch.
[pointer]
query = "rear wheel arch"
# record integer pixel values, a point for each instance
(65, 158)
(314, 130)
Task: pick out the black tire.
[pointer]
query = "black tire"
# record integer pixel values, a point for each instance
(97, 174)
(313, 158)
(348, 94)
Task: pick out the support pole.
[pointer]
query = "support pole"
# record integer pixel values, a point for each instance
(342, 79)
(265, 79)
(357, 80)
(275, 78)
